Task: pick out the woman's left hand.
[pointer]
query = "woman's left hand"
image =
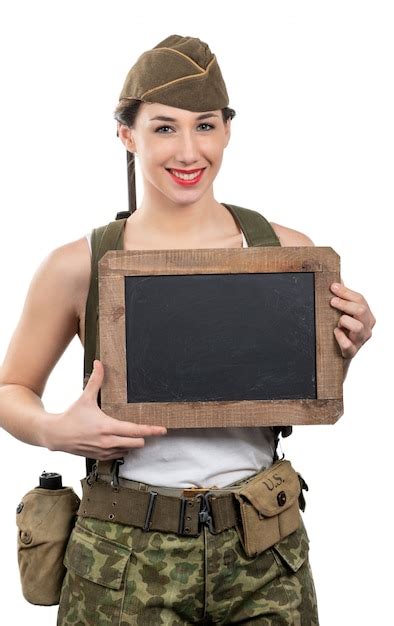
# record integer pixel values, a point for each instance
(355, 326)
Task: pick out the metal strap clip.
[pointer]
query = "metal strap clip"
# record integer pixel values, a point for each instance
(115, 472)
(181, 524)
(149, 512)
(92, 477)
(301, 497)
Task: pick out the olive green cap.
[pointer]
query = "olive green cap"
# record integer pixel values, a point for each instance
(180, 72)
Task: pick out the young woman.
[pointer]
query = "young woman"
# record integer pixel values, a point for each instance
(173, 116)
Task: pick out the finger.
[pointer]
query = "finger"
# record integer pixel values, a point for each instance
(112, 456)
(352, 308)
(109, 455)
(348, 349)
(130, 429)
(359, 333)
(120, 445)
(350, 323)
(346, 294)
(123, 443)
(110, 445)
(95, 380)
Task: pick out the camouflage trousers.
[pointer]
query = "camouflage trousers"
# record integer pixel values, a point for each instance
(120, 575)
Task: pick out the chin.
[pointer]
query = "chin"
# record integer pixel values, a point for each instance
(188, 200)
(183, 196)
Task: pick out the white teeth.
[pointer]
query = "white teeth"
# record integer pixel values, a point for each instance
(184, 176)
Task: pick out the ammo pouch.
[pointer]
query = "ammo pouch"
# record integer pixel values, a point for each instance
(45, 519)
(269, 509)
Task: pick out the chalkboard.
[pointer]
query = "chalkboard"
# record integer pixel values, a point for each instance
(220, 337)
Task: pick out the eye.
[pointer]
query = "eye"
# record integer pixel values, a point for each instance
(164, 129)
(205, 126)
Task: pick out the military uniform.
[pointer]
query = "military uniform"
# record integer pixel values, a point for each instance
(122, 573)
(119, 574)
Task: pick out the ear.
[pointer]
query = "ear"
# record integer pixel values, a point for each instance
(227, 132)
(126, 137)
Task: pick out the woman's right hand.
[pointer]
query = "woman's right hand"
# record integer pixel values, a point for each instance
(85, 430)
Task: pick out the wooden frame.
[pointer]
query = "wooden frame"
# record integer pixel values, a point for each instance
(115, 265)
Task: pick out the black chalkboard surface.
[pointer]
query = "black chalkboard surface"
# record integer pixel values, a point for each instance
(199, 338)
(220, 337)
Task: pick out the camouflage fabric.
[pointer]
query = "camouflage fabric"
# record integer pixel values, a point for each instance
(120, 575)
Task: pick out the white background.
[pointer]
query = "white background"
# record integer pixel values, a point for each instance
(312, 148)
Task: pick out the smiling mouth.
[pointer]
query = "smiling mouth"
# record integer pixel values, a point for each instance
(186, 177)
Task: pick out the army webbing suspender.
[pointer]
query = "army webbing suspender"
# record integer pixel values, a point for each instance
(105, 238)
(258, 232)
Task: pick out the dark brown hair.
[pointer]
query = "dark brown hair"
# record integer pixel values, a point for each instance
(126, 113)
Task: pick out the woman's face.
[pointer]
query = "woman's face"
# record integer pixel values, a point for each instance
(179, 151)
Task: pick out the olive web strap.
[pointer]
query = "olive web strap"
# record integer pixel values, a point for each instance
(105, 238)
(258, 231)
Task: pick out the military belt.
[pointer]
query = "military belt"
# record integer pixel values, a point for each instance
(158, 508)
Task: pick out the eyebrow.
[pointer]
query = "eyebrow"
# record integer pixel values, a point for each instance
(164, 118)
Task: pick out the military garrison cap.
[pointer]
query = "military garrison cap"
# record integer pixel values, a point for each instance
(181, 72)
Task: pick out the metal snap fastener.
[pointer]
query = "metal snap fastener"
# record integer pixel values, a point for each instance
(111, 516)
(190, 503)
(25, 536)
(281, 498)
(187, 530)
(188, 517)
(19, 507)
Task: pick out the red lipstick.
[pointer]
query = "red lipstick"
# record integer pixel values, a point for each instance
(186, 182)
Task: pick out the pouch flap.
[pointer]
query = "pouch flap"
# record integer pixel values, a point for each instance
(96, 558)
(41, 506)
(274, 490)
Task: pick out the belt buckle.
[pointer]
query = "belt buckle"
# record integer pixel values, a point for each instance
(205, 514)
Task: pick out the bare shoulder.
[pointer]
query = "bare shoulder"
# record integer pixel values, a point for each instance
(58, 291)
(64, 276)
(291, 237)
(50, 316)
(69, 264)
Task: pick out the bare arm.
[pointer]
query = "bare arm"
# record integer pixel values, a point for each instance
(355, 325)
(49, 321)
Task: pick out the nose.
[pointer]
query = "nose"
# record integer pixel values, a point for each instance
(187, 151)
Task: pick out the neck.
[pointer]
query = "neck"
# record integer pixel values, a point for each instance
(158, 214)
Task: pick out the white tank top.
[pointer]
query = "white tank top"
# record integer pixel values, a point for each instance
(200, 457)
